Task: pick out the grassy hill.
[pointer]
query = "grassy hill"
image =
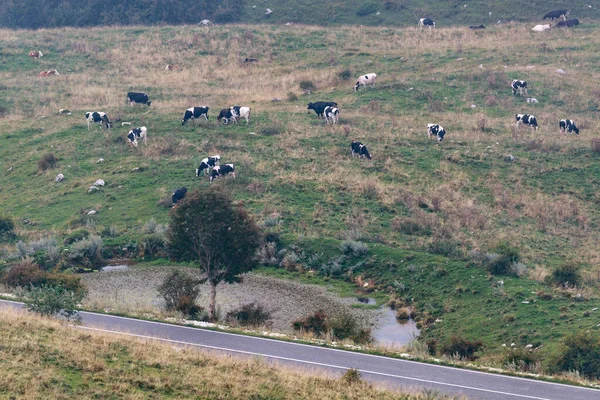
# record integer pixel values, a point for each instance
(429, 212)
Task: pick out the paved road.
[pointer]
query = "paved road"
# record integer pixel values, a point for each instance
(391, 372)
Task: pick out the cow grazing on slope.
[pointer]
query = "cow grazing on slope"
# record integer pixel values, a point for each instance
(567, 125)
(476, 27)
(222, 170)
(331, 114)
(226, 115)
(49, 73)
(436, 131)
(519, 87)
(541, 28)
(556, 14)
(194, 113)
(319, 106)
(207, 164)
(526, 119)
(137, 133)
(98, 117)
(365, 80)
(359, 150)
(426, 22)
(139, 98)
(36, 54)
(241, 112)
(178, 195)
(171, 67)
(568, 23)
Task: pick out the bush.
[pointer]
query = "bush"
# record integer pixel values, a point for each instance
(357, 249)
(462, 347)
(307, 86)
(352, 376)
(446, 247)
(54, 301)
(344, 326)
(595, 145)
(291, 96)
(315, 323)
(27, 274)
(271, 130)
(180, 292)
(267, 254)
(521, 359)
(250, 315)
(76, 236)
(86, 253)
(152, 246)
(7, 227)
(567, 275)
(581, 352)
(48, 161)
(366, 9)
(507, 256)
(345, 75)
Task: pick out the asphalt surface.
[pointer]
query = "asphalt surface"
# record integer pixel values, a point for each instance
(409, 375)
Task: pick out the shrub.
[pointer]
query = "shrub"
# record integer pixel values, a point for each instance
(367, 9)
(250, 315)
(411, 226)
(307, 86)
(7, 227)
(345, 75)
(581, 352)
(355, 248)
(507, 256)
(267, 254)
(567, 275)
(446, 247)
(28, 274)
(48, 161)
(521, 359)
(345, 326)
(352, 376)
(180, 292)
(595, 145)
(153, 227)
(315, 323)
(76, 236)
(86, 253)
(291, 96)
(54, 301)
(152, 246)
(462, 347)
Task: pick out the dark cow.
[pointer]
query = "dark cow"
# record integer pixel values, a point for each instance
(359, 150)
(426, 22)
(222, 170)
(557, 14)
(320, 106)
(194, 113)
(475, 27)
(139, 98)
(207, 163)
(568, 23)
(137, 133)
(98, 117)
(567, 125)
(519, 86)
(250, 60)
(226, 115)
(178, 195)
(526, 119)
(436, 131)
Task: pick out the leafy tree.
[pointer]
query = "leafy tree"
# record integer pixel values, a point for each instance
(180, 292)
(581, 353)
(55, 301)
(220, 237)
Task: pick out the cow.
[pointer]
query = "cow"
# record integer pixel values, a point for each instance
(250, 60)
(568, 23)
(36, 54)
(241, 112)
(178, 195)
(359, 150)
(364, 80)
(49, 73)
(526, 119)
(222, 170)
(476, 27)
(519, 87)
(97, 117)
(567, 125)
(331, 114)
(139, 98)
(194, 113)
(207, 164)
(541, 28)
(137, 133)
(319, 106)
(171, 67)
(226, 115)
(426, 22)
(557, 14)
(436, 131)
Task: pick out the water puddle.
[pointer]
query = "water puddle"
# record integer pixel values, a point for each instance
(389, 332)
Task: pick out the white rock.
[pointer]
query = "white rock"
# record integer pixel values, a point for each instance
(560, 71)
(125, 123)
(529, 346)
(532, 100)
(59, 178)
(92, 189)
(473, 106)
(513, 344)
(99, 182)
(92, 212)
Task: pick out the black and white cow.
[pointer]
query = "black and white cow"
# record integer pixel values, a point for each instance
(568, 23)
(178, 195)
(241, 112)
(364, 80)
(436, 131)
(207, 164)
(331, 114)
(519, 87)
(426, 22)
(98, 117)
(139, 98)
(526, 119)
(359, 150)
(222, 170)
(194, 113)
(137, 133)
(567, 125)
(319, 106)
(557, 14)
(226, 115)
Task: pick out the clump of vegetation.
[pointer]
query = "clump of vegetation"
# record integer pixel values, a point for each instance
(291, 96)
(307, 86)
(581, 353)
(352, 376)
(505, 256)
(76, 236)
(595, 142)
(7, 228)
(345, 74)
(86, 253)
(48, 161)
(342, 326)
(354, 248)
(252, 314)
(521, 359)
(461, 347)
(566, 275)
(367, 9)
(445, 246)
(314, 323)
(180, 291)
(54, 301)
(271, 130)
(27, 274)
(152, 246)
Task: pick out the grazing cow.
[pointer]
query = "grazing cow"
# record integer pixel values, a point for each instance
(99, 118)
(139, 98)
(364, 80)
(178, 195)
(35, 54)
(436, 131)
(331, 113)
(250, 60)
(475, 27)
(527, 120)
(519, 86)
(426, 22)
(137, 133)
(359, 150)
(557, 14)
(241, 112)
(567, 125)
(171, 67)
(319, 106)
(207, 163)
(568, 23)
(541, 28)
(49, 73)
(222, 170)
(226, 115)
(194, 113)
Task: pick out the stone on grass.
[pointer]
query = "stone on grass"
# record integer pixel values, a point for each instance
(59, 178)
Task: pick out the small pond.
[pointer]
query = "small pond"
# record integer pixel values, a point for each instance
(389, 332)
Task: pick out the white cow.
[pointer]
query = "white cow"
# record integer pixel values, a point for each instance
(541, 28)
(365, 80)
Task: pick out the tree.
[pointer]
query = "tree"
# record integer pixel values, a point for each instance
(220, 237)
(180, 291)
(55, 301)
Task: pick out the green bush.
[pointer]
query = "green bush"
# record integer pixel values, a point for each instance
(315, 323)
(446, 247)
(250, 315)
(580, 352)
(86, 253)
(507, 256)
(462, 347)
(355, 248)
(345, 75)
(307, 86)
(345, 326)
(48, 161)
(76, 236)
(28, 274)
(54, 301)
(567, 275)
(180, 292)
(152, 246)
(7, 227)
(521, 359)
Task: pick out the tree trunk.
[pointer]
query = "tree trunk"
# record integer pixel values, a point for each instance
(211, 305)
